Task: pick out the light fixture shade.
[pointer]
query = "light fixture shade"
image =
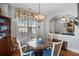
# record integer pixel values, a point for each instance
(39, 17)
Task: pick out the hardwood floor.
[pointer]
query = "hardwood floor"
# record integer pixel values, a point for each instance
(16, 53)
(68, 53)
(62, 53)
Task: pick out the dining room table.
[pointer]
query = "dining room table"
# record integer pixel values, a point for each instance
(38, 45)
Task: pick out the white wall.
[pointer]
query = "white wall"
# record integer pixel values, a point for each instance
(59, 26)
(4, 8)
(52, 26)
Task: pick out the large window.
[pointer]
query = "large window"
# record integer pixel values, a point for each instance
(26, 29)
(24, 26)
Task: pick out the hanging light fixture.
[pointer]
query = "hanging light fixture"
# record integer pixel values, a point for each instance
(39, 17)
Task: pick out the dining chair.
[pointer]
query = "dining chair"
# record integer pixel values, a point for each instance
(27, 52)
(50, 36)
(54, 50)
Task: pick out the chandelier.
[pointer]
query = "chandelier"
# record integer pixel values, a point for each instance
(39, 17)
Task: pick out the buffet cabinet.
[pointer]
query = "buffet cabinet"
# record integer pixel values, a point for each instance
(5, 36)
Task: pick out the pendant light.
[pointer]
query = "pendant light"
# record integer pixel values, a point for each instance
(39, 17)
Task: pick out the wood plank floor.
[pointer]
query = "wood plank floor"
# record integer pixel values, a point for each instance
(62, 53)
(16, 53)
(68, 53)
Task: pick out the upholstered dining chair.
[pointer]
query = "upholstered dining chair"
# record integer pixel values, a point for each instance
(54, 50)
(26, 52)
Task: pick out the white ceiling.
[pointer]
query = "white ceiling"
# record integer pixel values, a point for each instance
(47, 9)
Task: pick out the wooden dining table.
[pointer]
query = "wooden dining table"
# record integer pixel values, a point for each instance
(39, 47)
(46, 43)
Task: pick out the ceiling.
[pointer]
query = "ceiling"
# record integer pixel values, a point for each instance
(47, 9)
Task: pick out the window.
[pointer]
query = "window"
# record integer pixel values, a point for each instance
(26, 29)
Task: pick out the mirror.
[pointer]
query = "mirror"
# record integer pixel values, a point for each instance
(63, 24)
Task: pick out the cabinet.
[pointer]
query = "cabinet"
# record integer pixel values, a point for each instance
(5, 36)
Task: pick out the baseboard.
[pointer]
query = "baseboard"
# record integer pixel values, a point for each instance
(73, 50)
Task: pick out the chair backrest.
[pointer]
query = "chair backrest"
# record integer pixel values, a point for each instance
(50, 36)
(21, 49)
(56, 48)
